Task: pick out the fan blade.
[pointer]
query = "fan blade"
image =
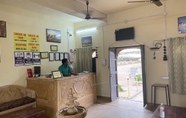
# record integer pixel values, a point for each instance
(96, 18)
(136, 1)
(158, 3)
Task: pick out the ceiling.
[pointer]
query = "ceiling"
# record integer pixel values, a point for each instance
(74, 10)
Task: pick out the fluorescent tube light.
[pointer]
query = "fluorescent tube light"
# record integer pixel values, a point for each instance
(85, 30)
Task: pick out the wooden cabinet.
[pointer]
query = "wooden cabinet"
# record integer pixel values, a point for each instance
(51, 94)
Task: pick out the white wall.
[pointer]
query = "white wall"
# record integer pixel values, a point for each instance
(19, 20)
(149, 23)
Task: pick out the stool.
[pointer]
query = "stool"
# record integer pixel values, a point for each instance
(166, 86)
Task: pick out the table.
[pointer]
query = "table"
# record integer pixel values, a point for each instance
(29, 112)
(171, 112)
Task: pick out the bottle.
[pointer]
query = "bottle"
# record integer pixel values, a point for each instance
(162, 111)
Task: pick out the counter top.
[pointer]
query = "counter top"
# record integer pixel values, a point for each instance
(67, 77)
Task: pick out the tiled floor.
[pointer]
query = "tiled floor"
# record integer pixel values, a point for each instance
(119, 109)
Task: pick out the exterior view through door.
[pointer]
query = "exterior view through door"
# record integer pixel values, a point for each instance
(127, 73)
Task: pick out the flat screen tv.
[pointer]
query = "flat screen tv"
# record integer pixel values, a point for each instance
(124, 34)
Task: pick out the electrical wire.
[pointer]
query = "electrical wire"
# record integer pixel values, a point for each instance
(141, 44)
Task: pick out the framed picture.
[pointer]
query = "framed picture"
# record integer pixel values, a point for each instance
(66, 55)
(86, 41)
(53, 48)
(3, 29)
(182, 24)
(53, 35)
(61, 55)
(44, 55)
(57, 56)
(51, 56)
(56, 74)
(36, 58)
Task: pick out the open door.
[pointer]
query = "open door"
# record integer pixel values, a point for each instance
(113, 74)
(143, 74)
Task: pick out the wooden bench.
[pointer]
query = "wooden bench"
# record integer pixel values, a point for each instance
(29, 112)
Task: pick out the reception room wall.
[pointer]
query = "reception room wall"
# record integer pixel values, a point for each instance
(23, 21)
(150, 24)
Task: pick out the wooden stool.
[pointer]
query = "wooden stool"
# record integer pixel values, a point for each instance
(166, 86)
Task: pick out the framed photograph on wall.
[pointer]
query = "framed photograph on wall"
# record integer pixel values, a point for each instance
(86, 41)
(61, 55)
(3, 29)
(44, 55)
(51, 56)
(53, 35)
(53, 48)
(66, 55)
(182, 24)
(57, 56)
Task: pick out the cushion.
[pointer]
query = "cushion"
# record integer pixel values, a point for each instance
(16, 103)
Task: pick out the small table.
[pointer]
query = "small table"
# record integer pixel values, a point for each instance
(171, 112)
(29, 112)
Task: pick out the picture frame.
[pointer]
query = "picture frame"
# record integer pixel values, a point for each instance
(57, 56)
(3, 29)
(61, 55)
(44, 55)
(53, 35)
(36, 58)
(182, 24)
(53, 48)
(51, 56)
(66, 55)
(86, 41)
(56, 74)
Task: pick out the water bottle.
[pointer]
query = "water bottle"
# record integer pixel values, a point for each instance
(162, 111)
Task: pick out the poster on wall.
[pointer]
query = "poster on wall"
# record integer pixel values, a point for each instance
(33, 43)
(28, 58)
(3, 29)
(20, 42)
(19, 58)
(36, 58)
(182, 24)
(24, 42)
(86, 41)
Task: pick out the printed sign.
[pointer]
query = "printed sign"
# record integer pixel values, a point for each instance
(19, 58)
(20, 42)
(36, 58)
(28, 58)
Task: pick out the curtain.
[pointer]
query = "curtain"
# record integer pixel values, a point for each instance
(83, 59)
(177, 64)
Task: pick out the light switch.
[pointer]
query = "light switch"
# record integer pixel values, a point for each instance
(165, 77)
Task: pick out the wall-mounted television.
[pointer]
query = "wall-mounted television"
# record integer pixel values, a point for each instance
(124, 34)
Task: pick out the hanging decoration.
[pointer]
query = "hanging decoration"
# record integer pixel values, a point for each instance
(164, 52)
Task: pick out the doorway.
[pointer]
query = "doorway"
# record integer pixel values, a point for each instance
(127, 70)
(130, 85)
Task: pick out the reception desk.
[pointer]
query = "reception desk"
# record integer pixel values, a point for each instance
(51, 94)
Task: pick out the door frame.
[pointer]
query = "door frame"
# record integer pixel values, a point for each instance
(142, 47)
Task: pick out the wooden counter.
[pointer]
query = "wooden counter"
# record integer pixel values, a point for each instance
(51, 94)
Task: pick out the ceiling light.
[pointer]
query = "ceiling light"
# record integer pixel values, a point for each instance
(86, 30)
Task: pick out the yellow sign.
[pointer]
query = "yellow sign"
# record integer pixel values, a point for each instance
(33, 43)
(20, 42)
(24, 42)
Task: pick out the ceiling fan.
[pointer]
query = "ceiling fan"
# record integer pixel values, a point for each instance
(88, 16)
(156, 2)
